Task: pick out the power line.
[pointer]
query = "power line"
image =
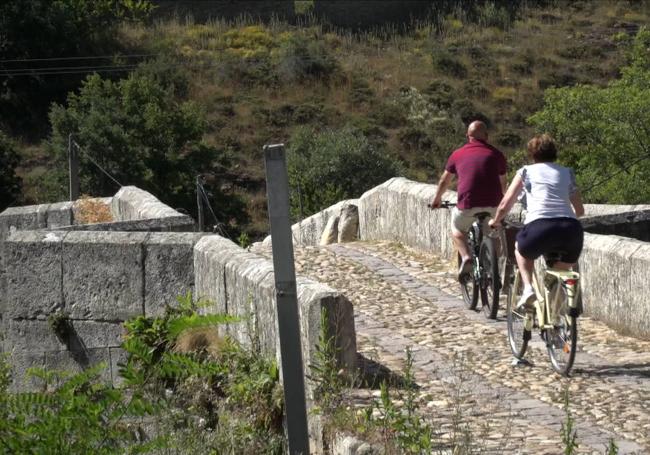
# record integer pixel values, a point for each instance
(87, 155)
(97, 57)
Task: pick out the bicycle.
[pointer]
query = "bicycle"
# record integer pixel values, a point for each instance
(555, 313)
(485, 277)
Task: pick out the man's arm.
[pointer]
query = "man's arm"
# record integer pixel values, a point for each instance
(504, 181)
(508, 201)
(443, 184)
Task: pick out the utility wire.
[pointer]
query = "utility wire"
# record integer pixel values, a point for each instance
(87, 155)
(218, 224)
(97, 57)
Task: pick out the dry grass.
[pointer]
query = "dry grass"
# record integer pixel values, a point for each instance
(89, 210)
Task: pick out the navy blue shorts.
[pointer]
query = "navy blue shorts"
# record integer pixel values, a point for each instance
(551, 235)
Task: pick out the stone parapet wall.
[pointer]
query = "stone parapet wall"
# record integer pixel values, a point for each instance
(131, 203)
(397, 210)
(614, 269)
(241, 283)
(99, 279)
(614, 274)
(308, 231)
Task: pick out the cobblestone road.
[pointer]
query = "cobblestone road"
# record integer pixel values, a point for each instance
(404, 298)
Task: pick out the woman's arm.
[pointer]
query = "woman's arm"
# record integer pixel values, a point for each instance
(576, 202)
(508, 200)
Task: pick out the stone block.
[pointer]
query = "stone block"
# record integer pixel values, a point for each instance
(33, 273)
(169, 269)
(78, 361)
(250, 295)
(103, 275)
(308, 232)
(22, 218)
(36, 335)
(316, 300)
(20, 362)
(211, 254)
(59, 215)
(132, 203)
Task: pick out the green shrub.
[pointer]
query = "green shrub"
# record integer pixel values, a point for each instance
(302, 59)
(440, 94)
(448, 64)
(333, 165)
(73, 413)
(360, 91)
(10, 183)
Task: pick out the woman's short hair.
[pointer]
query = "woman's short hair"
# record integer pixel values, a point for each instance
(542, 149)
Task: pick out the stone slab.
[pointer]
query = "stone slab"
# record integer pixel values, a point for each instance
(59, 214)
(132, 203)
(33, 273)
(22, 218)
(103, 275)
(169, 269)
(29, 335)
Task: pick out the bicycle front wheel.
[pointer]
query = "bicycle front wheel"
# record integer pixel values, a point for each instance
(518, 336)
(490, 281)
(469, 289)
(562, 339)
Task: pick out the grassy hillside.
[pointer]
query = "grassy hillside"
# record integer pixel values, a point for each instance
(410, 93)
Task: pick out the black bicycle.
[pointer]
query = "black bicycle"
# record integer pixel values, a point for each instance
(486, 247)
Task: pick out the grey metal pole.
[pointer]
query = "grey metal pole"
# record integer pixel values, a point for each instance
(199, 203)
(73, 169)
(277, 191)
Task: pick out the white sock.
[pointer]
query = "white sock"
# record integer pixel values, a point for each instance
(528, 289)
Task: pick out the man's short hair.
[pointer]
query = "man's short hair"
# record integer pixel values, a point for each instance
(542, 149)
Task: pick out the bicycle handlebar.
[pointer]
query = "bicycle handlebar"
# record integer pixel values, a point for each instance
(443, 205)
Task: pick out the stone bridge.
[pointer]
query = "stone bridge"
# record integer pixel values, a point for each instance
(390, 289)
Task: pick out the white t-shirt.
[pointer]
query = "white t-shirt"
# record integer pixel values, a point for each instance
(548, 188)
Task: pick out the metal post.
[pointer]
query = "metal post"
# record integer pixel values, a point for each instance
(199, 202)
(277, 191)
(73, 169)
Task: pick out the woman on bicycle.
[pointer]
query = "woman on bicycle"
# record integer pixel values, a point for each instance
(553, 206)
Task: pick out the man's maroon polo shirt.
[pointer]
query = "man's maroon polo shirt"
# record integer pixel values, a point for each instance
(478, 166)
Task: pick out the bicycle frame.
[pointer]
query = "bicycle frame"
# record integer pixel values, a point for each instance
(550, 296)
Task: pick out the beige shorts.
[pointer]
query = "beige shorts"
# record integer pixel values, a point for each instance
(462, 219)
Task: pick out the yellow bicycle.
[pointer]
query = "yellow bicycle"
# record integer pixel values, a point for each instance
(555, 314)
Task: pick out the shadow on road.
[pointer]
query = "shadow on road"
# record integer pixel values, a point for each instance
(639, 370)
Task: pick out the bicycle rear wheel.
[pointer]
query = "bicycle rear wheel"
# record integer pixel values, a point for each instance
(518, 336)
(490, 281)
(562, 339)
(469, 288)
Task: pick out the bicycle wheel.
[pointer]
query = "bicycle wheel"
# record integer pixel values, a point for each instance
(490, 281)
(518, 336)
(469, 289)
(562, 339)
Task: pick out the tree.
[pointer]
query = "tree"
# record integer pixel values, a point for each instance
(332, 165)
(54, 32)
(603, 131)
(10, 183)
(139, 132)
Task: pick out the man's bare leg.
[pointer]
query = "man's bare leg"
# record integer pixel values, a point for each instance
(460, 241)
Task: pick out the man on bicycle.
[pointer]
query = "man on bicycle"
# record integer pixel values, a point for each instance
(481, 172)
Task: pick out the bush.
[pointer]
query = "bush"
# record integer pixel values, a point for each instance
(10, 183)
(140, 133)
(302, 59)
(334, 165)
(445, 63)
